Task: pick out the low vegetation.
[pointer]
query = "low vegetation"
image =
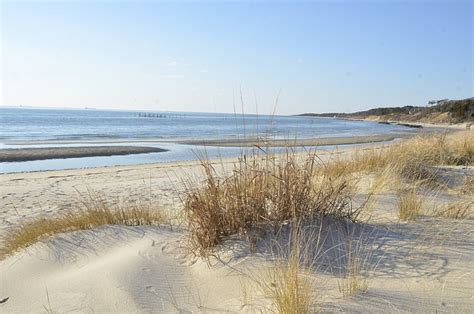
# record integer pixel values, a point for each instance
(409, 205)
(263, 189)
(358, 261)
(353, 281)
(415, 159)
(457, 210)
(95, 211)
(289, 282)
(287, 285)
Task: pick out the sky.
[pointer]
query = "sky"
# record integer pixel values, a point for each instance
(282, 57)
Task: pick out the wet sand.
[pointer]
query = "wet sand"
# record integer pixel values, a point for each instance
(28, 154)
(249, 142)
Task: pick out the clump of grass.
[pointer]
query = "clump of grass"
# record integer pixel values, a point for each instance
(468, 187)
(288, 283)
(357, 260)
(95, 211)
(289, 288)
(355, 280)
(262, 189)
(457, 210)
(409, 205)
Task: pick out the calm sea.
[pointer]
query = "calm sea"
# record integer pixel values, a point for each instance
(25, 127)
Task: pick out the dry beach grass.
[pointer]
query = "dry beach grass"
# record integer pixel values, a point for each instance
(94, 212)
(263, 189)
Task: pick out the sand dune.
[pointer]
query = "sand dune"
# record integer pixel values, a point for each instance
(125, 269)
(114, 269)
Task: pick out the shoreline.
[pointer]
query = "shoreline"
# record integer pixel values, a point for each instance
(226, 142)
(457, 126)
(22, 154)
(324, 141)
(67, 172)
(61, 152)
(32, 154)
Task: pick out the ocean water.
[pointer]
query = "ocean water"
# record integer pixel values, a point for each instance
(26, 127)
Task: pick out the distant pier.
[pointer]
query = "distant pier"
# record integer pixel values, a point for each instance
(158, 115)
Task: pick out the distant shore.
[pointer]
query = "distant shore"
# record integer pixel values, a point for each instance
(406, 123)
(453, 114)
(29, 154)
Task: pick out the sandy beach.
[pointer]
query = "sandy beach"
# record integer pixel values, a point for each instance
(347, 140)
(423, 266)
(446, 126)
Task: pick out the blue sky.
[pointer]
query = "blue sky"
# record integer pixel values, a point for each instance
(197, 56)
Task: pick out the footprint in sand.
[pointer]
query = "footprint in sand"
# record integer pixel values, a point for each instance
(165, 247)
(188, 262)
(150, 289)
(148, 255)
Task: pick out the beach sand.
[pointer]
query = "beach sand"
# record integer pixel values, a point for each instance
(424, 266)
(125, 269)
(446, 126)
(326, 141)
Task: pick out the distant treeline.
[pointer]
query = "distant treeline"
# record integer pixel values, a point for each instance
(452, 111)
